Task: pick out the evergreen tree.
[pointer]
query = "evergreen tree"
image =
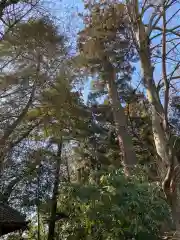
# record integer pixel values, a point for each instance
(108, 55)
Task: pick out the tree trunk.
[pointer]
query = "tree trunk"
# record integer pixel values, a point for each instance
(38, 204)
(175, 215)
(52, 221)
(168, 162)
(171, 190)
(158, 117)
(142, 42)
(125, 141)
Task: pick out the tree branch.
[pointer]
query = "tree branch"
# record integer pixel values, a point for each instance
(6, 3)
(9, 130)
(23, 136)
(164, 70)
(172, 73)
(171, 30)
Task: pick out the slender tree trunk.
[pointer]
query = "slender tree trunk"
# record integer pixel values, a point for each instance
(39, 227)
(38, 205)
(125, 140)
(51, 233)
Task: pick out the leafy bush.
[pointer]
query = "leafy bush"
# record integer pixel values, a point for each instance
(115, 208)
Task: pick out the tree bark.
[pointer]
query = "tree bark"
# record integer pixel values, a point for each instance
(158, 117)
(125, 141)
(171, 190)
(51, 233)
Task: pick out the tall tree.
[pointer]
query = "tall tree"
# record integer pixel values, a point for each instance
(31, 50)
(108, 55)
(147, 27)
(143, 35)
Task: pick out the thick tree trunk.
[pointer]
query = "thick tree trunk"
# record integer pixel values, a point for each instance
(51, 233)
(175, 215)
(125, 140)
(163, 147)
(171, 190)
(176, 219)
(158, 117)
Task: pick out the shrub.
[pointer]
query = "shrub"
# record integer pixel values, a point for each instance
(116, 208)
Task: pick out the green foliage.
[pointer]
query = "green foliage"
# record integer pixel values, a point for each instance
(116, 208)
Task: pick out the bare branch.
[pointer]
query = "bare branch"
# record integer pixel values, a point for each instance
(151, 25)
(164, 71)
(171, 30)
(175, 77)
(144, 8)
(171, 77)
(6, 3)
(172, 16)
